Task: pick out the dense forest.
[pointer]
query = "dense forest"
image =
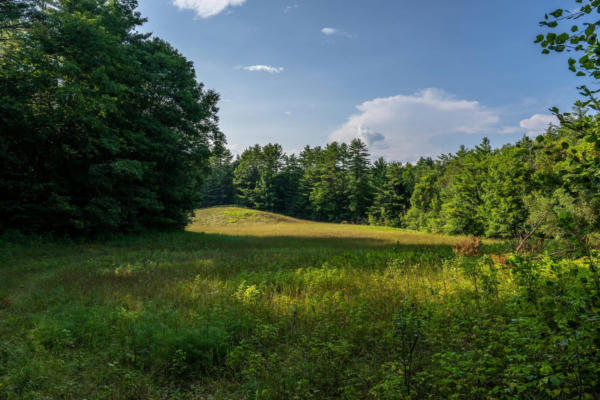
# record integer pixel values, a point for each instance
(546, 184)
(102, 128)
(105, 129)
(114, 285)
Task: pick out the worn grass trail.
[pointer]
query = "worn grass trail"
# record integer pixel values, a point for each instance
(243, 304)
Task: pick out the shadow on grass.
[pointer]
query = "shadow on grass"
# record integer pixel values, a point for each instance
(188, 242)
(192, 241)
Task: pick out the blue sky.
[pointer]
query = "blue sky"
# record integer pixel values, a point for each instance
(411, 78)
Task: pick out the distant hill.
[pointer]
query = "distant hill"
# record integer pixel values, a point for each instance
(228, 215)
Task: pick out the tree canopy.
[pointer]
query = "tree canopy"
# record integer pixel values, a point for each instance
(103, 129)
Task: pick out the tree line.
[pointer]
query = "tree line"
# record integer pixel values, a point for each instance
(548, 186)
(539, 184)
(102, 128)
(106, 129)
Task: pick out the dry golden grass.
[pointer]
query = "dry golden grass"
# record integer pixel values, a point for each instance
(238, 221)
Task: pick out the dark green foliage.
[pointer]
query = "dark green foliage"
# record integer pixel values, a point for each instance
(462, 191)
(256, 176)
(507, 182)
(328, 180)
(16, 15)
(218, 187)
(483, 191)
(183, 315)
(359, 180)
(102, 129)
(392, 195)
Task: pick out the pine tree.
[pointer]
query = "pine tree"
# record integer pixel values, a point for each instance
(360, 193)
(218, 188)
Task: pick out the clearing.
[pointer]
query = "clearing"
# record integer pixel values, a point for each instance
(245, 304)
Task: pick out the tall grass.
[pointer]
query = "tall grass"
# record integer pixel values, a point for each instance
(258, 306)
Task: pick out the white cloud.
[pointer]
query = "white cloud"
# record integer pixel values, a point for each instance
(207, 8)
(532, 126)
(538, 123)
(509, 130)
(236, 148)
(264, 68)
(405, 127)
(288, 9)
(369, 136)
(288, 113)
(333, 31)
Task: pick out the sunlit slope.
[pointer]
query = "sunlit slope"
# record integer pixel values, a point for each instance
(245, 222)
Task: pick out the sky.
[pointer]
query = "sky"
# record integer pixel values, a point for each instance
(410, 78)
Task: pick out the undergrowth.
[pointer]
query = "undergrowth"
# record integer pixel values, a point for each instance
(206, 316)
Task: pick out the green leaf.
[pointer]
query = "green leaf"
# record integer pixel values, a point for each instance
(563, 37)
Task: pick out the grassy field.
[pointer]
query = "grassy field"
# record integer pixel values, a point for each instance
(252, 305)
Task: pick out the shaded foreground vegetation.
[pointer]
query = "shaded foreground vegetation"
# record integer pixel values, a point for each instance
(268, 307)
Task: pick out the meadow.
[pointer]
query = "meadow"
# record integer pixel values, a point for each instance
(252, 305)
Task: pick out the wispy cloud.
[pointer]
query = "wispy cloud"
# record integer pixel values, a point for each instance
(207, 8)
(509, 130)
(335, 32)
(264, 68)
(290, 8)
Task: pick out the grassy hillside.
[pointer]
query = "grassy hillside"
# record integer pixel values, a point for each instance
(253, 223)
(252, 305)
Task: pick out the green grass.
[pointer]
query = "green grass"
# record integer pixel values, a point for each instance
(244, 304)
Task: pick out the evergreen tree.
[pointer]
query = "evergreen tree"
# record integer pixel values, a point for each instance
(247, 175)
(391, 200)
(329, 192)
(256, 176)
(218, 188)
(271, 159)
(360, 192)
(288, 187)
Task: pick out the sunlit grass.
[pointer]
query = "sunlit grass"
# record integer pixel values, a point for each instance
(243, 305)
(245, 222)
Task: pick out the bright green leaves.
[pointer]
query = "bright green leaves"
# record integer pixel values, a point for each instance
(585, 40)
(562, 38)
(572, 63)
